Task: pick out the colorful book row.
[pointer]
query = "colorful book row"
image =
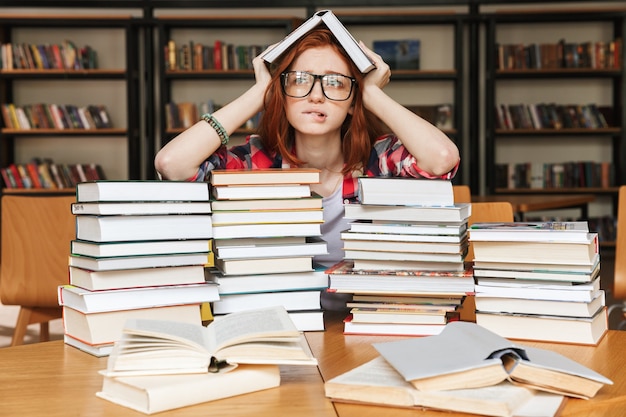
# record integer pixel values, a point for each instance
(184, 115)
(595, 55)
(196, 56)
(55, 116)
(552, 116)
(48, 175)
(573, 174)
(47, 56)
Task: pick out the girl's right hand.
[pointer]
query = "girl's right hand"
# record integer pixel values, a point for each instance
(261, 71)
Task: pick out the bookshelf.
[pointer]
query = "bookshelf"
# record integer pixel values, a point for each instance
(114, 83)
(566, 159)
(198, 83)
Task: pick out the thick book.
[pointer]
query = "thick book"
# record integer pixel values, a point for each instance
(489, 304)
(291, 300)
(435, 363)
(137, 227)
(576, 253)
(267, 216)
(133, 298)
(265, 176)
(246, 192)
(259, 283)
(156, 393)
(142, 207)
(409, 228)
(343, 277)
(136, 277)
(141, 190)
(547, 328)
(256, 336)
(269, 248)
(266, 230)
(106, 327)
(404, 191)
(572, 231)
(301, 203)
(538, 274)
(140, 261)
(140, 247)
(345, 38)
(455, 213)
(378, 383)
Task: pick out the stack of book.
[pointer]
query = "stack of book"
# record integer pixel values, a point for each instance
(404, 257)
(140, 251)
(539, 281)
(267, 228)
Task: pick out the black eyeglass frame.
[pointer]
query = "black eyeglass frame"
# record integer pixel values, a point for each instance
(316, 77)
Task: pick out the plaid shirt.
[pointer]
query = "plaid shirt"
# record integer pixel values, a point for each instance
(389, 158)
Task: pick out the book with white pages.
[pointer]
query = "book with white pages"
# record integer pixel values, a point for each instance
(538, 274)
(536, 291)
(383, 245)
(266, 230)
(246, 192)
(399, 191)
(256, 283)
(141, 207)
(141, 190)
(538, 266)
(572, 231)
(456, 213)
(290, 300)
(301, 203)
(409, 228)
(139, 247)
(272, 265)
(140, 261)
(399, 237)
(311, 247)
(267, 216)
(404, 256)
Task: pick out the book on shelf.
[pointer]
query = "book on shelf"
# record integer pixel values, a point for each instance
(344, 277)
(539, 274)
(141, 247)
(267, 216)
(157, 393)
(576, 253)
(538, 290)
(403, 265)
(436, 363)
(221, 177)
(551, 231)
(142, 208)
(141, 190)
(402, 54)
(260, 283)
(266, 230)
(547, 328)
(106, 327)
(489, 304)
(272, 265)
(138, 227)
(382, 243)
(328, 18)
(455, 213)
(409, 227)
(135, 277)
(87, 301)
(390, 329)
(291, 300)
(140, 261)
(405, 191)
(378, 383)
(258, 336)
(269, 248)
(435, 240)
(265, 190)
(301, 203)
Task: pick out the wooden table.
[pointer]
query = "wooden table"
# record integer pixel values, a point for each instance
(56, 380)
(524, 203)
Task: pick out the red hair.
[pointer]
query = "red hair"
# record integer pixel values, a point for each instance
(359, 130)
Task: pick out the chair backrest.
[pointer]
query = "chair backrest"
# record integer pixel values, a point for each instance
(619, 278)
(36, 234)
(497, 211)
(462, 194)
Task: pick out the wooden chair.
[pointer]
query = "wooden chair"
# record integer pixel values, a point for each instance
(36, 234)
(500, 211)
(462, 194)
(619, 277)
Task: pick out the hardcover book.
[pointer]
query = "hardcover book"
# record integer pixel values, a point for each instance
(142, 190)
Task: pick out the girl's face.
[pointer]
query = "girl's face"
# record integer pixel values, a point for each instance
(315, 114)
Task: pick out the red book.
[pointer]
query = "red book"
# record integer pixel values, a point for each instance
(217, 55)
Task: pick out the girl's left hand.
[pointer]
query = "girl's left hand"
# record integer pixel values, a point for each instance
(379, 76)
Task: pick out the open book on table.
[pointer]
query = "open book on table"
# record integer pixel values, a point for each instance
(261, 336)
(466, 355)
(377, 383)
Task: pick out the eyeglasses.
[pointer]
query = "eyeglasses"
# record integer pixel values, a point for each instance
(298, 84)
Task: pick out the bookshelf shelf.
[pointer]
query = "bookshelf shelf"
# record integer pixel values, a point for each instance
(113, 84)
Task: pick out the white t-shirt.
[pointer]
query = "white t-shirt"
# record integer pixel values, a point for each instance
(334, 224)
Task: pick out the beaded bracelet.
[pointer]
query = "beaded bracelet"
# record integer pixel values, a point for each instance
(221, 132)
